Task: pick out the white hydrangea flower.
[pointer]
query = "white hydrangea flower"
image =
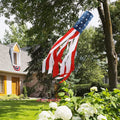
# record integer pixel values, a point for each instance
(101, 117)
(76, 118)
(63, 112)
(93, 89)
(87, 109)
(45, 115)
(53, 105)
(67, 99)
(102, 88)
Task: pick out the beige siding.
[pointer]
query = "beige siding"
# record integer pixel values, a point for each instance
(9, 81)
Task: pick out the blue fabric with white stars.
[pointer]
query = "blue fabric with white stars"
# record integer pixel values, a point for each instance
(83, 21)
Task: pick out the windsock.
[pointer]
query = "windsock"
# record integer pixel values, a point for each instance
(60, 59)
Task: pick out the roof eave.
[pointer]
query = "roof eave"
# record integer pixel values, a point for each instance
(20, 73)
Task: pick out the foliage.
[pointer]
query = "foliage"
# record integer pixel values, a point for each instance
(94, 105)
(49, 19)
(29, 90)
(115, 11)
(87, 67)
(64, 90)
(18, 33)
(82, 89)
(47, 24)
(25, 91)
(98, 41)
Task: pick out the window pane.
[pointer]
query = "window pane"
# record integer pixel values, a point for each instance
(1, 84)
(15, 58)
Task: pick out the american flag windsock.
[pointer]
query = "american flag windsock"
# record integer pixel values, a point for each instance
(60, 59)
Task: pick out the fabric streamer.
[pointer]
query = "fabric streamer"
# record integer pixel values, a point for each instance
(60, 59)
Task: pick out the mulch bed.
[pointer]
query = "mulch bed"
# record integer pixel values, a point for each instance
(48, 100)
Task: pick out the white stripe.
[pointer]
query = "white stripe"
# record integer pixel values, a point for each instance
(60, 77)
(71, 49)
(62, 47)
(68, 64)
(51, 63)
(66, 38)
(43, 65)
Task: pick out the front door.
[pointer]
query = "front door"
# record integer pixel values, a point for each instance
(15, 86)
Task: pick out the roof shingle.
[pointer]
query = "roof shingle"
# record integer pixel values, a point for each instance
(5, 60)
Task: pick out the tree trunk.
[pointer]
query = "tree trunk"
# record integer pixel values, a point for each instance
(109, 44)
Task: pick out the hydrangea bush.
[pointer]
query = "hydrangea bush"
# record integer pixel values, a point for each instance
(94, 105)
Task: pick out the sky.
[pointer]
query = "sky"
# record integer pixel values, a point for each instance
(94, 22)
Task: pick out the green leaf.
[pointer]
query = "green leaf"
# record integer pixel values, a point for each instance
(61, 94)
(70, 92)
(113, 104)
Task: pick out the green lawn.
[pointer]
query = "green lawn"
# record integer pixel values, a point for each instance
(20, 109)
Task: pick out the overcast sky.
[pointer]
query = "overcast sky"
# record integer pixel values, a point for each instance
(4, 27)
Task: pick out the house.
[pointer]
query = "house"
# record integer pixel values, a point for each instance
(13, 62)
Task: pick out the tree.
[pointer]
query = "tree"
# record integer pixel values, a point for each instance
(115, 11)
(104, 13)
(47, 18)
(99, 37)
(87, 67)
(17, 34)
(109, 43)
(53, 16)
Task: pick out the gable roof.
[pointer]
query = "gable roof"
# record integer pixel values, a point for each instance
(6, 63)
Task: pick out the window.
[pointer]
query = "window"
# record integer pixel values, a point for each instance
(16, 58)
(1, 84)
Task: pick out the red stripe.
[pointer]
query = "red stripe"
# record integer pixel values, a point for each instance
(72, 65)
(58, 59)
(47, 62)
(66, 77)
(55, 66)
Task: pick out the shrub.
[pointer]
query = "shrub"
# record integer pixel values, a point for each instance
(25, 91)
(81, 89)
(2, 98)
(29, 90)
(11, 97)
(21, 96)
(104, 105)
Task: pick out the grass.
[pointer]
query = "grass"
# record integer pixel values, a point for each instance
(118, 86)
(21, 109)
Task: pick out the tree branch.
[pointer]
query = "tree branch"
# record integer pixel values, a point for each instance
(101, 14)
